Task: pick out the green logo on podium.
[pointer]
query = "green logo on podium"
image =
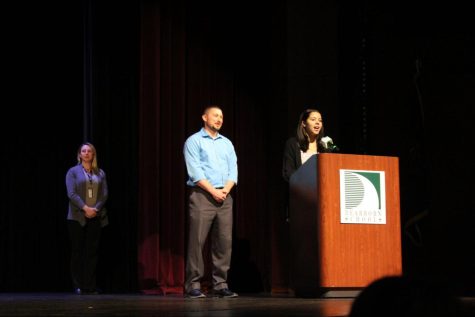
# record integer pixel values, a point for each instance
(362, 197)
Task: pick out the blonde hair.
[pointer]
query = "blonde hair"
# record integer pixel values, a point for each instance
(95, 167)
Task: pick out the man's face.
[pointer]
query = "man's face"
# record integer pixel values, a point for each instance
(213, 119)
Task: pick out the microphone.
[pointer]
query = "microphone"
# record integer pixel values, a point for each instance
(328, 144)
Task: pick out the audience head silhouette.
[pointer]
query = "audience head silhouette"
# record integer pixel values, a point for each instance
(405, 297)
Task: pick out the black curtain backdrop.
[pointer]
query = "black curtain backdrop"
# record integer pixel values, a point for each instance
(389, 79)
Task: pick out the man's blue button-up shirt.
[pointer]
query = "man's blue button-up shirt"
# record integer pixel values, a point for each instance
(211, 159)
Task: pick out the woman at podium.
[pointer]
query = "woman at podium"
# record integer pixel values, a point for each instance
(306, 142)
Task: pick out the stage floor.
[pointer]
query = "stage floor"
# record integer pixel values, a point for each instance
(62, 304)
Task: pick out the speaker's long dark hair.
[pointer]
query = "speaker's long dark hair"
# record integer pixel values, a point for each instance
(302, 135)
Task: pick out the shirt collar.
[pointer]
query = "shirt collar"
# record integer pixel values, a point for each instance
(205, 134)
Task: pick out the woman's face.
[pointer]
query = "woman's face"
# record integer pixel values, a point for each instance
(313, 124)
(87, 154)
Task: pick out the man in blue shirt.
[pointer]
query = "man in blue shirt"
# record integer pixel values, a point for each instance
(211, 163)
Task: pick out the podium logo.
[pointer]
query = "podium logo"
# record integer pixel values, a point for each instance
(362, 197)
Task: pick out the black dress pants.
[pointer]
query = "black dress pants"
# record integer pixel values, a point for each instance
(84, 253)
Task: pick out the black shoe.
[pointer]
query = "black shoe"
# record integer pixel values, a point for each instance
(87, 291)
(195, 293)
(224, 292)
(91, 292)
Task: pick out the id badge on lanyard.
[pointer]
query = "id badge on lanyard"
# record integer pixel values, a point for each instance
(90, 192)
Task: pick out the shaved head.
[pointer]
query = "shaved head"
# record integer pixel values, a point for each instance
(207, 109)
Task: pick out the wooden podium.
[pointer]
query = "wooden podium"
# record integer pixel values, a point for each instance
(334, 248)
